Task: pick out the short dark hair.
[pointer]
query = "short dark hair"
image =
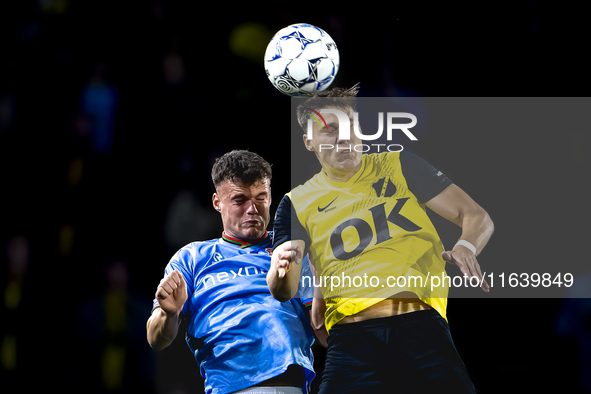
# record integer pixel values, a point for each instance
(240, 164)
(338, 97)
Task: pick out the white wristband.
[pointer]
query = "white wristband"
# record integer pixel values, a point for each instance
(467, 245)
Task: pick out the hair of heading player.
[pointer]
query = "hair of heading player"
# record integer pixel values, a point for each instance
(242, 165)
(338, 97)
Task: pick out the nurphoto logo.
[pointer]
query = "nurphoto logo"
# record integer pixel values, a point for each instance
(345, 128)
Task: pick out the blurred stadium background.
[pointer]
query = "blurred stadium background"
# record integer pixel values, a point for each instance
(111, 114)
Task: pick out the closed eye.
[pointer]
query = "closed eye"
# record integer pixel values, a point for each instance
(240, 199)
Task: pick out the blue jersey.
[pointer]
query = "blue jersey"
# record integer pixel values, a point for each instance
(241, 335)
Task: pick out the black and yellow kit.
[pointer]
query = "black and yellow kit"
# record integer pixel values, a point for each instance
(370, 234)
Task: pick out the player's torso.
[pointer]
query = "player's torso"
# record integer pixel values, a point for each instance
(224, 277)
(232, 318)
(368, 217)
(370, 226)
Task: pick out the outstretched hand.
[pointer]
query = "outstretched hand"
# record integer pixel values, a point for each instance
(467, 263)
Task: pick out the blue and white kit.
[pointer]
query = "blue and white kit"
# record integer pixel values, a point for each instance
(239, 334)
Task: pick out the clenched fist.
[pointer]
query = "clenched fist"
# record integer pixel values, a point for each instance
(286, 254)
(172, 293)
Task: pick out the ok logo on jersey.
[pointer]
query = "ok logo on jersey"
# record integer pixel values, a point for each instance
(365, 231)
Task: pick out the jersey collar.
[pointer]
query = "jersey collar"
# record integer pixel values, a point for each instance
(243, 244)
(350, 181)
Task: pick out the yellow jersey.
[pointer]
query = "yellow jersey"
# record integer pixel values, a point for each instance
(370, 237)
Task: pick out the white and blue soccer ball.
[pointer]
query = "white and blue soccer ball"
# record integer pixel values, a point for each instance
(301, 60)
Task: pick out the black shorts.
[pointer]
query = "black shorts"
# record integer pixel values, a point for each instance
(410, 353)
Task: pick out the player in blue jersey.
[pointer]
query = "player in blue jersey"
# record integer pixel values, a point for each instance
(242, 338)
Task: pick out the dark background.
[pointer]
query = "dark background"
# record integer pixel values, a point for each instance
(111, 114)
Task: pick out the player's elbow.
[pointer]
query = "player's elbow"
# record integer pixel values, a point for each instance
(153, 343)
(478, 217)
(490, 224)
(487, 223)
(280, 295)
(282, 298)
(157, 343)
(152, 340)
(158, 346)
(156, 339)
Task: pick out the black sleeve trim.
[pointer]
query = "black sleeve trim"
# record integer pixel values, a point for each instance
(284, 228)
(423, 180)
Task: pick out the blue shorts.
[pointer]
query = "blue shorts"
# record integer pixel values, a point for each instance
(409, 353)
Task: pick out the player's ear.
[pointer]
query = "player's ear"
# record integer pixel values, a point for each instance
(308, 143)
(215, 199)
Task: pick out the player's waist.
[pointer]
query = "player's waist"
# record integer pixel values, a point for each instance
(399, 304)
(293, 377)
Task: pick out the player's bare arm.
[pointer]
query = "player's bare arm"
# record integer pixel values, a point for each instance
(286, 266)
(477, 227)
(164, 322)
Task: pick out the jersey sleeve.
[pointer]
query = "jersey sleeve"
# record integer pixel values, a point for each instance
(286, 226)
(423, 180)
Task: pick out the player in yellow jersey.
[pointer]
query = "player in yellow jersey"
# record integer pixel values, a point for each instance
(364, 217)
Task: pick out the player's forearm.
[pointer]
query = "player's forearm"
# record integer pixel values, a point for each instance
(477, 228)
(317, 320)
(280, 288)
(286, 266)
(162, 329)
(455, 205)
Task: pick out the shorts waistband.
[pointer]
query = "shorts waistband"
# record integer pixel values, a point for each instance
(386, 321)
(271, 390)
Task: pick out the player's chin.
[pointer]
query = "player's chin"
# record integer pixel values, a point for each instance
(253, 231)
(348, 163)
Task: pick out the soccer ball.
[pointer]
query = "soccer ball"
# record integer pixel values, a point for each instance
(301, 59)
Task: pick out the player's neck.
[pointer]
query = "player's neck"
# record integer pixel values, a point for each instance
(243, 242)
(340, 176)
